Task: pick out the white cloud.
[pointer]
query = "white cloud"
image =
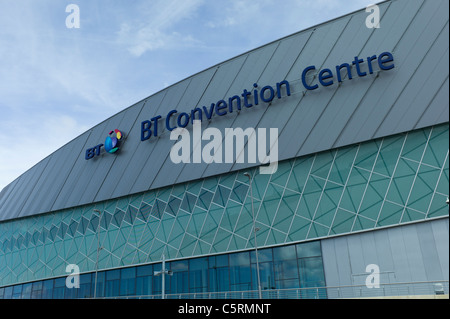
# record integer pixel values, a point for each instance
(156, 32)
(25, 145)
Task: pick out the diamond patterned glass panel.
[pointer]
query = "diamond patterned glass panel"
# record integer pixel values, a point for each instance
(383, 182)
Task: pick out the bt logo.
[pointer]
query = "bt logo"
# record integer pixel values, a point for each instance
(112, 145)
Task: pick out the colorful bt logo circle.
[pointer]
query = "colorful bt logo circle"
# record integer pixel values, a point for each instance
(112, 142)
(112, 145)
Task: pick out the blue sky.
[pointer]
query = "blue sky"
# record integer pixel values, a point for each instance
(56, 82)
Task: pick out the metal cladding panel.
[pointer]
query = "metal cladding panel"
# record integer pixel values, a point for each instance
(438, 110)
(122, 158)
(190, 95)
(6, 192)
(81, 175)
(22, 189)
(404, 254)
(53, 177)
(98, 170)
(411, 49)
(214, 92)
(412, 95)
(160, 146)
(421, 89)
(142, 151)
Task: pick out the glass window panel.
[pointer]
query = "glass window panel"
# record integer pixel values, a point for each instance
(188, 202)
(205, 199)
(8, 293)
(284, 253)
(85, 286)
(112, 274)
(47, 289)
(112, 288)
(263, 255)
(144, 285)
(128, 281)
(198, 274)
(311, 272)
(98, 284)
(310, 249)
(221, 196)
(239, 192)
(177, 266)
(287, 269)
(17, 292)
(59, 288)
(70, 293)
(2, 290)
(36, 290)
(179, 282)
(239, 259)
(145, 270)
(26, 291)
(266, 275)
(286, 284)
(173, 205)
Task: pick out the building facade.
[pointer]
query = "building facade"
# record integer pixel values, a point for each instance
(360, 177)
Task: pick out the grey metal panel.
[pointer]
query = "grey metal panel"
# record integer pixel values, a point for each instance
(438, 110)
(415, 255)
(121, 159)
(47, 187)
(197, 96)
(345, 98)
(6, 192)
(142, 150)
(81, 176)
(336, 263)
(430, 257)
(427, 79)
(257, 60)
(313, 103)
(441, 238)
(411, 50)
(371, 109)
(98, 170)
(415, 252)
(159, 149)
(23, 189)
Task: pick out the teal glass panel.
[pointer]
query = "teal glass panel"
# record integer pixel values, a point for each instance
(270, 204)
(286, 211)
(299, 228)
(299, 174)
(221, 196)
(311, 197)
(390, 214)
(342, 164)
(281, 176)
(438, 206)
(230, 216)
(367, 154)
(437, 147)
(355, 189)
(402, 181)
(374, 197)
(388, 155)
(423, 189)
(415, 144)
(328, 204)
(343, 222)
(322, 164)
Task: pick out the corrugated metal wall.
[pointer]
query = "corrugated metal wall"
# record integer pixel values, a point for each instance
(411, 253)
